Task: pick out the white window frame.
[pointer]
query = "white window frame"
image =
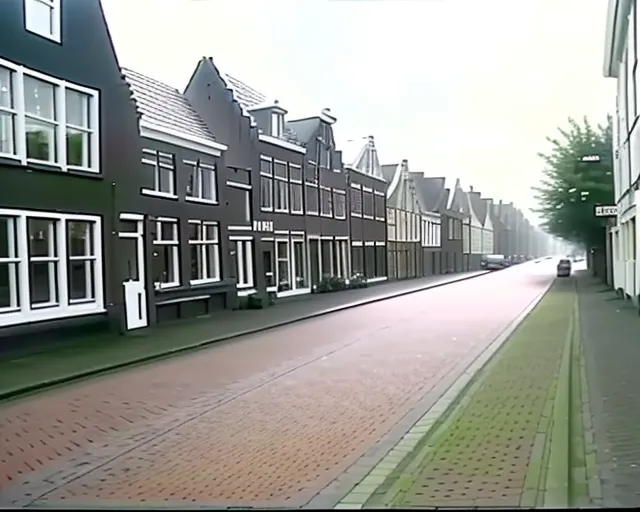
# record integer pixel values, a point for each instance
(277, 124)
(244, 258)
(328, 214)
(343, 202)
(152, 158)
(198, 171)
(300, 186)
(174, 244)
(205, 244)
(368, 192)
(269, 176)
(286, 242)
(21, 311)
(282, 181)
(54, 34)
(17, 112)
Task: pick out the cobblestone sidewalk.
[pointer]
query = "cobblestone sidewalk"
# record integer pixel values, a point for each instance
(611, 344)
(506, 440)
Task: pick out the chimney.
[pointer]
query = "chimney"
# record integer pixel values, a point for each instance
(471, 188)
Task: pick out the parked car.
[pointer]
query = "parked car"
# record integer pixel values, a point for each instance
(494, 262)
(564, 268)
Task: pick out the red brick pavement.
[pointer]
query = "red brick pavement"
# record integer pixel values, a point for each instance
(268, 418)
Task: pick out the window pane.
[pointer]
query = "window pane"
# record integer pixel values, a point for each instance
(77, 108)
(381, 267)
(6, 88)
(356, 201)
(208, 184)
(165, 180)
(212, 261)
(81, 279)
(357, 266)
(78, 148)
(368, 203)
(163, 263)
(211, 232)
(43, 282)
(7, 133)
(312, 199)
(299, 264)
(266, 192)
(325, 249)
(8, 241)
(9, 295)
(280, 169)
(41, 140)
(39, 98)
(295, 173)
(282, 250)
(325, 196)
(282, 195)
(167, 231)
(246, 199)
(196, 262)
(40, 17)
(296, 197)
(42, 238)
(266, 167)
(80, 239)
(194, 230)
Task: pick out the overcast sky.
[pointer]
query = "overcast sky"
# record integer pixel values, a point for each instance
(460, 88)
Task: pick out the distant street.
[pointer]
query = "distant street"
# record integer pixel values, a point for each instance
(266, 420)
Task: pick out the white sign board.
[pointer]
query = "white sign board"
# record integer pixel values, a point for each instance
(606, 211)
(591, 158)
(263, 225)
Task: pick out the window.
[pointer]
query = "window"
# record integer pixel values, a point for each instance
(266, 185)
(368, 204)
(277, 124)
(379, 207)
(166, 261)
(244, 260)
(163, 171)
(52, 122)
(312, 199)
(295, 179)
(325, 202)
(299, 264)
(356, 202)
(50, 266)
(281, 187)
(357, 259)
(202, 182)
(339, 206)
(204, 249)
(282, 269)
(381, 261)
(369, 260)
(42, 17)
(325, 156)
(246, 201)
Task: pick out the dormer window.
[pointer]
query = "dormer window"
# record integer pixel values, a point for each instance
(42, 17)
(277, 124)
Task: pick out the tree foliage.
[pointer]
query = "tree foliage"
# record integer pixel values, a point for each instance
(572, 187)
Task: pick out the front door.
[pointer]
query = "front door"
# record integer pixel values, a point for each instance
(132, 257)
(269, 268)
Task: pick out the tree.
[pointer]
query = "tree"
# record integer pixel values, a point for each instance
(573, 184)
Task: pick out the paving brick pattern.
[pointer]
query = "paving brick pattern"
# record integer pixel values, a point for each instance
(481, 455)
(266, 419)
(611, 343)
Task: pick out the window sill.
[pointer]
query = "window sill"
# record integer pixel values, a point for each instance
(293, 293)
(353, 214)
(246, 291)
(326, 215)
(155, 193)
(200, 200)
(202, 282)
(277, 210)
(266, 209)
(377, 279)
(297, 212)
(314, 214)
(166, 286)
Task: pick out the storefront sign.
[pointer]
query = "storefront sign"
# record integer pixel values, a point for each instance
(265, 226)
(606, 211)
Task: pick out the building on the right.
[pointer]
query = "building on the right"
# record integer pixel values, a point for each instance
(620, 62)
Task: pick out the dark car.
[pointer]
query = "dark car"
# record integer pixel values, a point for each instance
(494, 262)
(564, 268)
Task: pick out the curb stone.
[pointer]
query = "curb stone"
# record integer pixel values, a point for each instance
(39, 386)
(432, 420)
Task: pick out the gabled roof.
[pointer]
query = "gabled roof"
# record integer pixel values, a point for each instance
(165, 107)
(460, 200)
(478, 205)
(251, 99)
(304, 129)
(365, 160)
(430, 192)
(388, 172)
(401, 192)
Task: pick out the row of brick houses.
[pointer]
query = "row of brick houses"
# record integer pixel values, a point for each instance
(128, 203)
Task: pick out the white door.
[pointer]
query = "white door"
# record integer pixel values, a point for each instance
(132, 247)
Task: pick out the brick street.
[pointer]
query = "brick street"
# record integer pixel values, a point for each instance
(269, 419)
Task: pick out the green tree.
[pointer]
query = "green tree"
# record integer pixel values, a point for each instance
(571, 186)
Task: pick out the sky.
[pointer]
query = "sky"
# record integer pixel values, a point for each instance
(464, 89)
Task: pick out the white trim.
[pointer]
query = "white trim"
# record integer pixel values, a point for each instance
(367, 189)
(380, 244)
(236, 184)
(240, 228)
(616, 30)
(192, 199)
(377, 279)
(293, 293)
(237, 238)
(281, 232)
(369, 243)
(395, 181)
(275, 141)
(162, 134)
(64, 306)
(131, 216)
(341, 237)
(246, 292)
(356, 185)
(297, 233)
(155, 193)
(56, 15)
(356, 243)
(327, 118)
(267, 239)
(378, 193)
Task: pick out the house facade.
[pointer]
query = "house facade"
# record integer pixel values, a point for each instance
(188, 204)
(620, 62)
(404, 247)
(480, 208)
(69, 137)
(367, 207)
(472, 227)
